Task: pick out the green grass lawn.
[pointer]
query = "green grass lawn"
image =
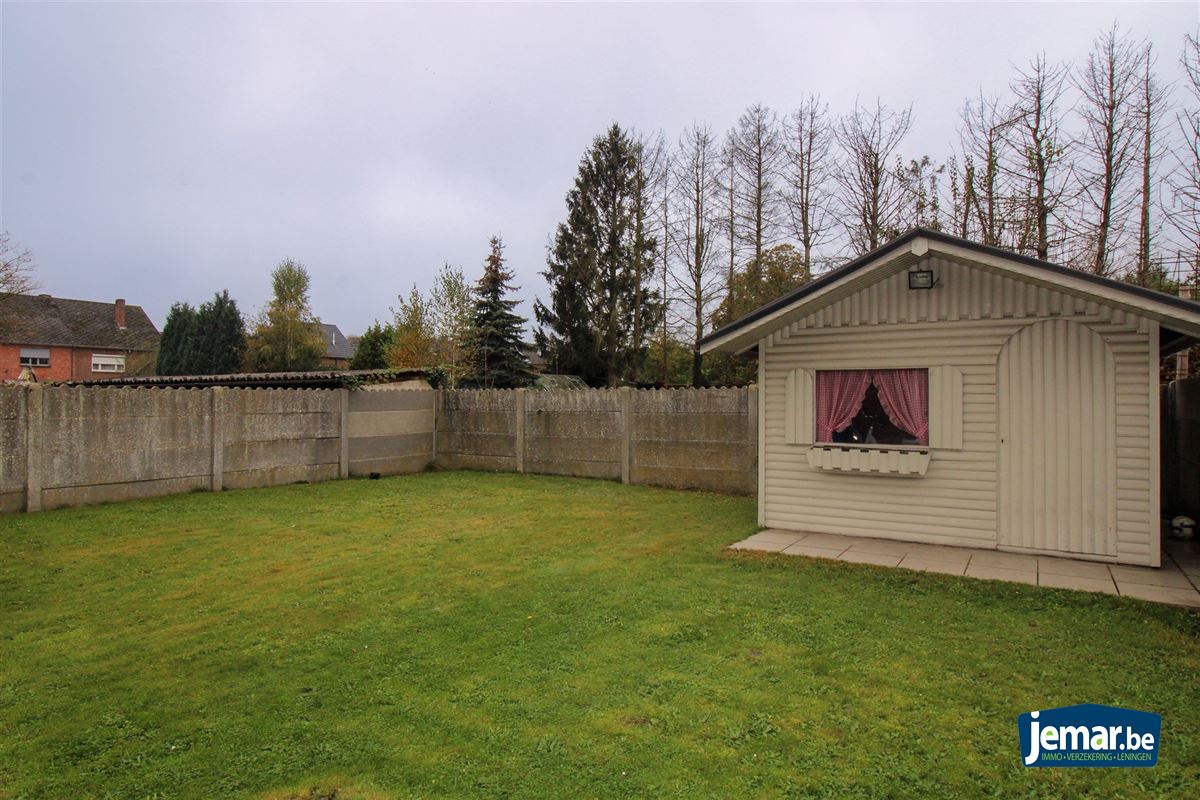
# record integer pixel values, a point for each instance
(464, 634)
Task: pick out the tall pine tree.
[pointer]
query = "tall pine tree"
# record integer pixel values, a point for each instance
(500, 360)
(220, 340)
(595, 289)
(373, 346)
(177, 341)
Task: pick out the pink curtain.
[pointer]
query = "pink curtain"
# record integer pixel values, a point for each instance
(840, 394)
(904, 394)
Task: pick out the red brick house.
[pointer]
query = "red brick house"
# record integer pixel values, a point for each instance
(62, 340)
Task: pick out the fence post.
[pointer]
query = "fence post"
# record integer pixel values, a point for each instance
(520, 430)
(626, 435)
(35, 423)
(217, 428)
(344, 434)
(437, 409)
(752, 433)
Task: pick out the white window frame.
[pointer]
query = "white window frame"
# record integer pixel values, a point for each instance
(34, 357)
(946, 408)
(108, 362)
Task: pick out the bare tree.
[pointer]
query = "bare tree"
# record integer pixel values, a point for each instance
(1038, 150)
(756, 153)
(918, 201)
(697, 195)
(728, 182)
(868, 186)
(16, 267)
(986, 206)
(1108, 85)
(962, 188)
(649, 186)
(1152, 105)
(1184, 181)
(16, 271)
(810, 160)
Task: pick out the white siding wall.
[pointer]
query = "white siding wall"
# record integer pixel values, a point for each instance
(963, 323)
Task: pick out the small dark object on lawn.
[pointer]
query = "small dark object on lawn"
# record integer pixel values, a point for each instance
(375, 476)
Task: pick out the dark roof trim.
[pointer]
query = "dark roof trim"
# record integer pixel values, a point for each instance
(905, 240)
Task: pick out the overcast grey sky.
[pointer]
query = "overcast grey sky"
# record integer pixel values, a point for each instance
(163, 151)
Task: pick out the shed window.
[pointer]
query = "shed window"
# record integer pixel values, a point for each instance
(103, 363)
(872, 406)
(34, 357)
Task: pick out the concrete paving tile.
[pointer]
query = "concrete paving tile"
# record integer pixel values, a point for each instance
(830, 540)
(881, 547)
(1173, 584)
(933, 565)
(1077, 582)
(1192, 571)
(1149, 576)
(765, 547)
(937, 552)
(990, 572)
(879, 559)
(806, 549)
(1080, 569)
(1161, 594)
(770, 535)
(1010, 561)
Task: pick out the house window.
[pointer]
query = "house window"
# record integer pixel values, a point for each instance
(34, 357)
(872, 406)
(103, 363)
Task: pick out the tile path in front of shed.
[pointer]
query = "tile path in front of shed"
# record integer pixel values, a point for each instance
(1177, 582)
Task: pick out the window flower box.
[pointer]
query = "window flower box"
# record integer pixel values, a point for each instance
(866, 459)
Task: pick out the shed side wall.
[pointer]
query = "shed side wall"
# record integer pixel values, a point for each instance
(963, 323)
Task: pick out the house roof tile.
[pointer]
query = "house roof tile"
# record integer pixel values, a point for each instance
(336, 345)
(45, 320)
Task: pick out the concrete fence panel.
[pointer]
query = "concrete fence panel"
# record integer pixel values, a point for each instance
(13, 426)
(684, 438)
(67, 446)
(575, 432)
(100, 444)
(391, 431)
(694, 438)
(277, 436)
(477, 430)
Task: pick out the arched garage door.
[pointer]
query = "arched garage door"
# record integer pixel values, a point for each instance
(1057, 432)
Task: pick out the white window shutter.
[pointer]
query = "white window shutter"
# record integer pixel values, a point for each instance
(946, 408)
(798, 407)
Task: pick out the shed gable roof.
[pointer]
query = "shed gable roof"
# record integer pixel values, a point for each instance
(46, 320)
(1172, 312)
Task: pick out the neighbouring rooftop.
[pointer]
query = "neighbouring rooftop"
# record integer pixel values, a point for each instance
(56, 321)
(336, 344)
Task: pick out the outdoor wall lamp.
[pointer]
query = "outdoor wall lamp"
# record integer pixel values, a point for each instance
(921, 279)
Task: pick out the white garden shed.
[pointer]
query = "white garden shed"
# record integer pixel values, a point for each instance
(938, 390)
